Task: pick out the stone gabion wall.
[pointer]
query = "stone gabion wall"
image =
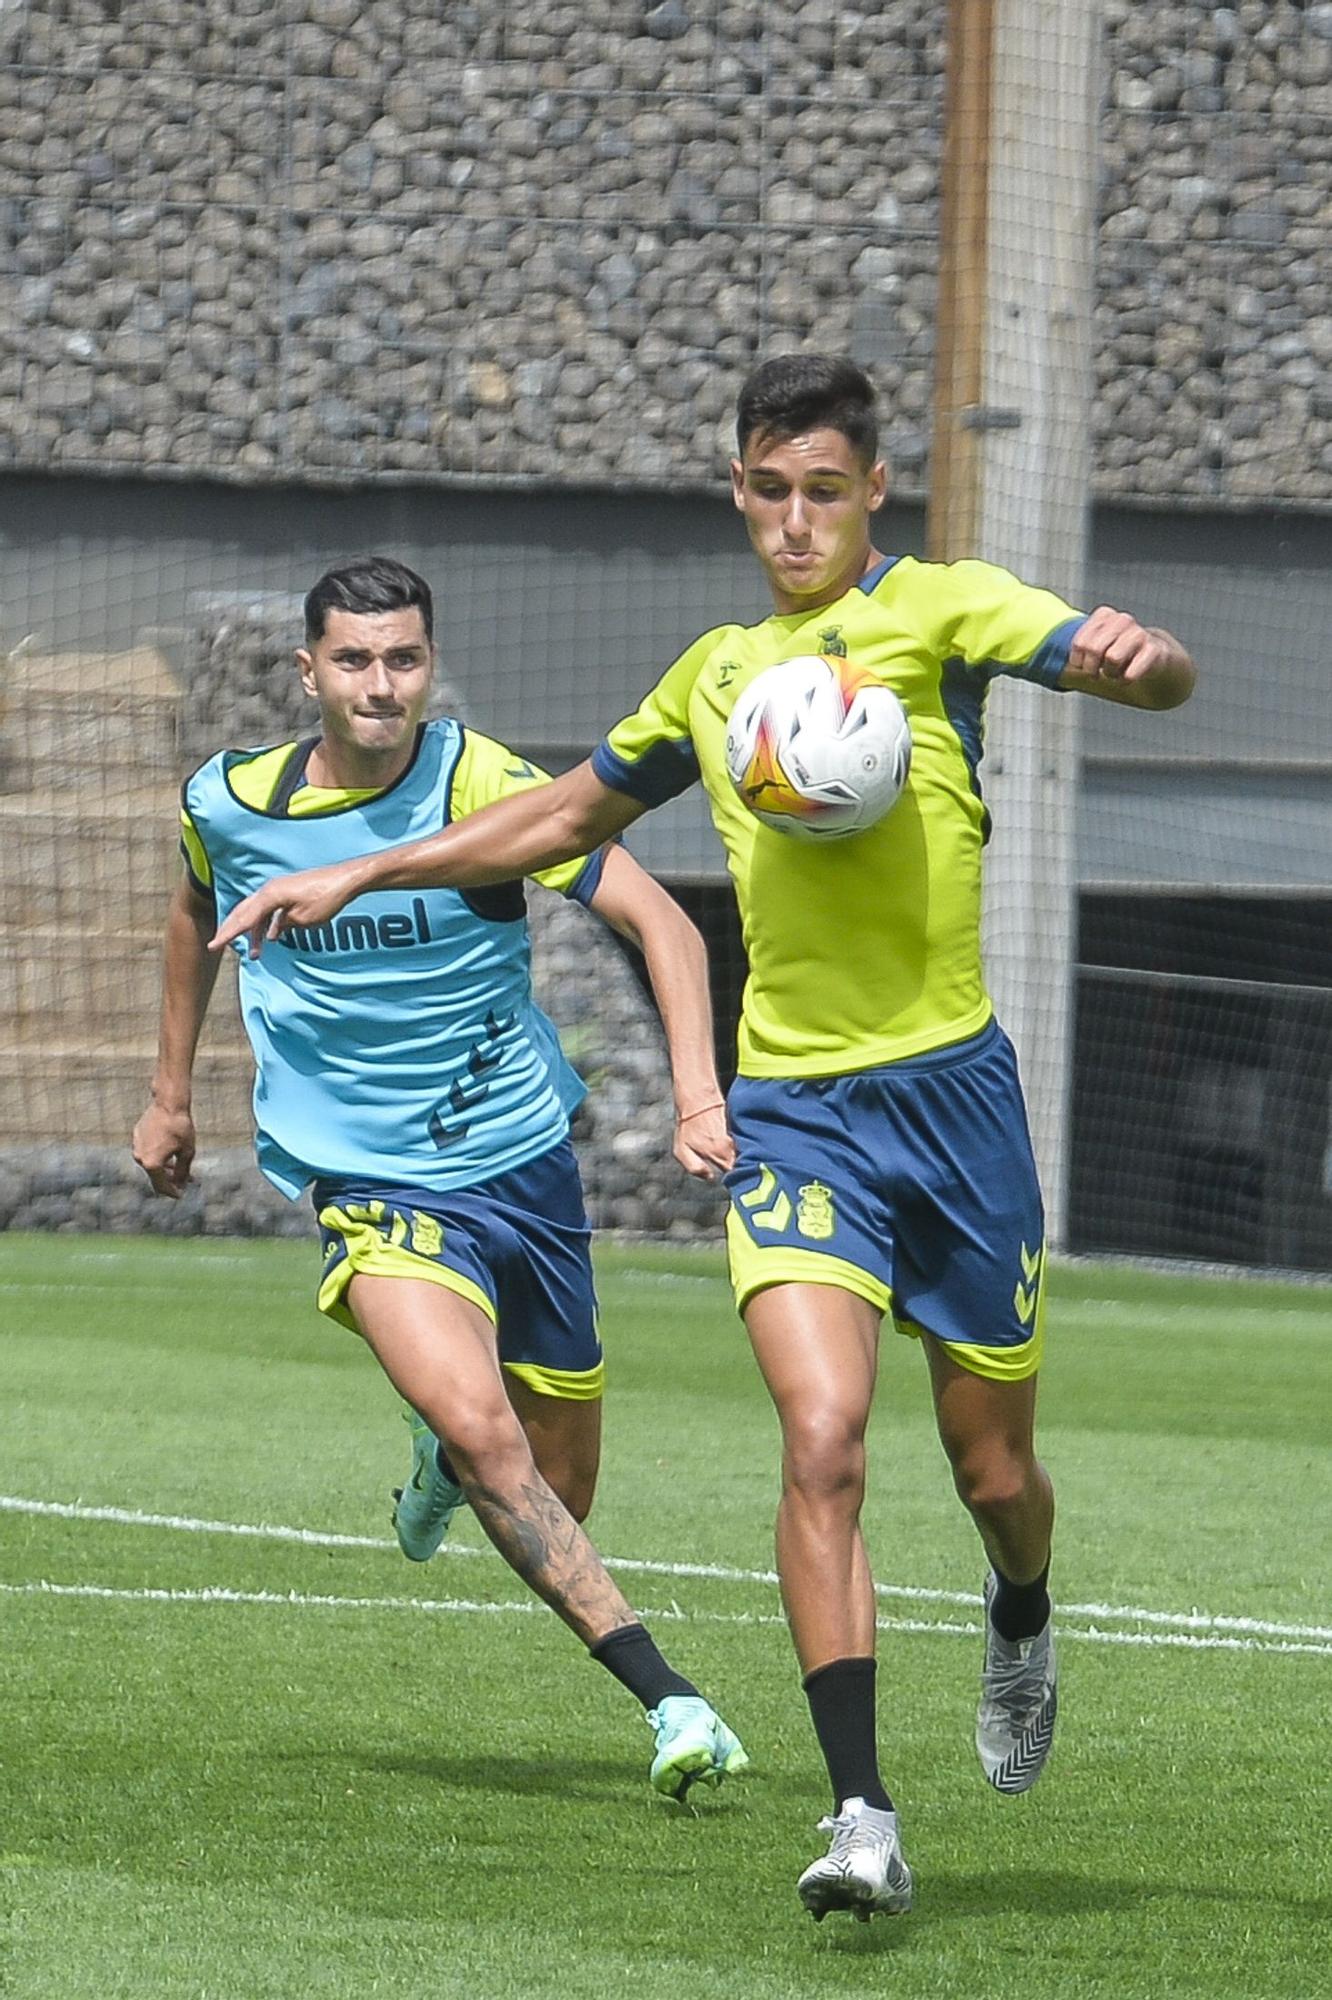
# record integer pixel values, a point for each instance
(342, 238)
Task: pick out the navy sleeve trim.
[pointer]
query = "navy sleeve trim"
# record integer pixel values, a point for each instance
(447, 777)
(1049, 660)
(669, 768)
(588, 879)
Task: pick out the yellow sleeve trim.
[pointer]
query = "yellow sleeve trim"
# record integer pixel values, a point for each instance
(196, 854)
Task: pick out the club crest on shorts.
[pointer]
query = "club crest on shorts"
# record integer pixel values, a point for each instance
(814, 1216)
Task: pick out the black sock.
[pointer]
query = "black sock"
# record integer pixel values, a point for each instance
(443, 1462)
(841, 1702)
(1019, 1610)
(630, 1653)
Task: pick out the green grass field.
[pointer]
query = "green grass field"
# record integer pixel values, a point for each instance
(236, 1764)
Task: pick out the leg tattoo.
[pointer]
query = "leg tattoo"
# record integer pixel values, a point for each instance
(544, 1545)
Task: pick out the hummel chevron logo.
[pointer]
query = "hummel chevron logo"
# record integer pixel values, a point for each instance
(1025, 1296)
(778, 1215)
(1023, 1766)
(485, 1055)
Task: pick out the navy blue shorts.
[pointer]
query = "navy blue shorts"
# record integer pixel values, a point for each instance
(518, 1247)
(912, 1185)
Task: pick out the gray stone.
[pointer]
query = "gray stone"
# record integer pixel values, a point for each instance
(1134, 93)
(668, 21)
(1192, 192)
(446, 172)
(1259, 224)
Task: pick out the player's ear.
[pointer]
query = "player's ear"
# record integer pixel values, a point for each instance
(738, 484)
(305, 668)
(878, 485)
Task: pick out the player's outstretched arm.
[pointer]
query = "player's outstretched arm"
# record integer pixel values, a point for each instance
(630, 901)
(500, 843)
(1116, 658)
(164, 1138)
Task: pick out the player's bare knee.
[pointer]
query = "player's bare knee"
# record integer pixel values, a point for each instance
(824, 1457)
(991, 1483)
(487, 1447)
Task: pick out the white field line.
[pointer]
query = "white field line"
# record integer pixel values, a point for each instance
(1178, 1621)
(666, 1614)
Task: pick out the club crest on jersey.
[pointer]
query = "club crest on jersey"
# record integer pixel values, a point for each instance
(832, 643)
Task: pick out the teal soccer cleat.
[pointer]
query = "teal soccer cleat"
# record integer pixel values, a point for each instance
(693, 1743)
(428, 1502)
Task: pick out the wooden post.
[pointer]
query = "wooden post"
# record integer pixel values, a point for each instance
(1012, 471)
(953, 527)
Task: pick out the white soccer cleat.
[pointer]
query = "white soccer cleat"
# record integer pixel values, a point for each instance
(863, 1870)
(1016, 1718)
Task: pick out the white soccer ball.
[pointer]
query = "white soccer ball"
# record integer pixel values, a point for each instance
(818, 748)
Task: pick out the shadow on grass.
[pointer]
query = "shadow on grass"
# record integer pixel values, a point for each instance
(943, 1899)
(1053, 1893)
(571, 1780)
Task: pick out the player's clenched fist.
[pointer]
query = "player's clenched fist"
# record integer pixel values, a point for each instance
(1112, 648)
(163, 1146)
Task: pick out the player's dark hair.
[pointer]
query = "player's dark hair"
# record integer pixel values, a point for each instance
(368, 585)
(794, 393)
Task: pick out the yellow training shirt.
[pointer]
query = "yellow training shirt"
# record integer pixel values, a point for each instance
(865, 950)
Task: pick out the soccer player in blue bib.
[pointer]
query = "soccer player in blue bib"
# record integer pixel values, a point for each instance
(405, 1075)
(883, 1160)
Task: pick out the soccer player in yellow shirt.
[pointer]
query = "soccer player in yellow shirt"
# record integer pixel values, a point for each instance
(883, 1162)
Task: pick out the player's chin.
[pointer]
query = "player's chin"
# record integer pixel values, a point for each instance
(802, 579)
(382, 738)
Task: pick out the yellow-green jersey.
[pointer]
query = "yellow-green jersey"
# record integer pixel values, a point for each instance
(862, 951)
